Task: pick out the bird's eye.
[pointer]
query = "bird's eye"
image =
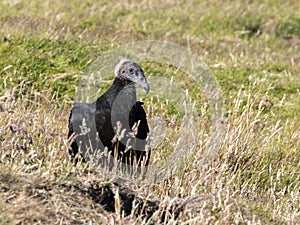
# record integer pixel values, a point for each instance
(123, 71)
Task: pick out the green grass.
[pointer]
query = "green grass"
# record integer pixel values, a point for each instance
(253, 50)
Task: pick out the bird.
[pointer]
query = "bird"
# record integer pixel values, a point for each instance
(116, 123)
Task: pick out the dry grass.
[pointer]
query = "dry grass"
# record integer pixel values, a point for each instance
(254, 180)
(253, 49)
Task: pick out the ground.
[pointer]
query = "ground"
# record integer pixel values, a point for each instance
(251, 47)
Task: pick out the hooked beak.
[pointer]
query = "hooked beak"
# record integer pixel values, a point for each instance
(143, 81)
(146, 86)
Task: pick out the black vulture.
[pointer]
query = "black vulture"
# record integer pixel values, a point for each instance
(116, 122)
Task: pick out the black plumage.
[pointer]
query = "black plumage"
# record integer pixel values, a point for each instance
(116, 120)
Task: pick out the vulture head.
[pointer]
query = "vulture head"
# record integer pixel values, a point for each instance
(129, 71)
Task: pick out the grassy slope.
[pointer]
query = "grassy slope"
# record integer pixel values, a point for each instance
(253, 49)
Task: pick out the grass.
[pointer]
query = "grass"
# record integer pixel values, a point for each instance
(251, 47)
